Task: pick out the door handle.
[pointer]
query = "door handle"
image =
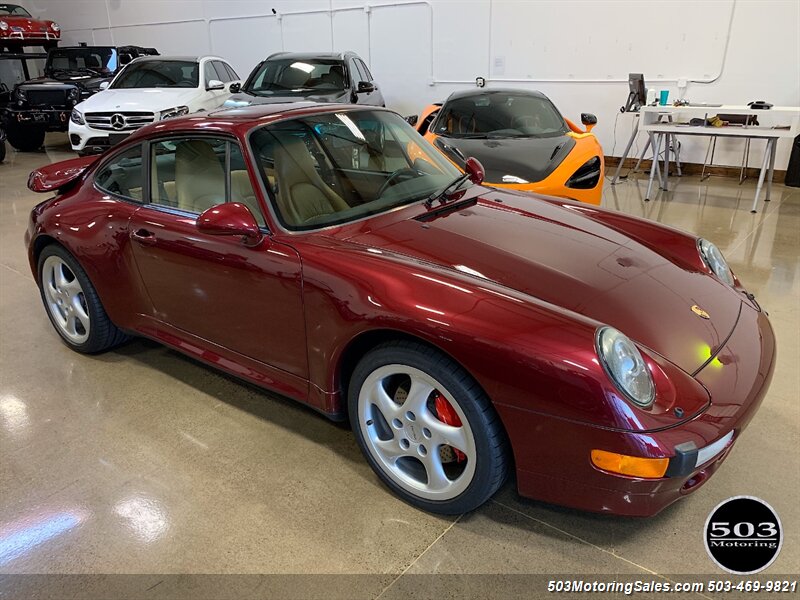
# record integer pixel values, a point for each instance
(144, 237)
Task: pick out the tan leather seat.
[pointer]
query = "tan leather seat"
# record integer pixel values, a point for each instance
(302, 195)
(199, 176)
(242, 191)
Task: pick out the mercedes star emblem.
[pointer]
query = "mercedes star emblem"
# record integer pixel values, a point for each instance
(117, 121)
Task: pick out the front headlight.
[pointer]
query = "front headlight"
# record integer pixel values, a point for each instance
(73, 94)
(587, 176)
(177, 111)
(713, 258)
(20, 94)
(54, 26)
(3, 26)
(624, 364)
(76, 117)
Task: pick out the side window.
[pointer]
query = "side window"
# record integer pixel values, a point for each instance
(188, 174)
(241, 188)
(356, 73)
(231, 73)
(211, 73)
(222, 74)
(123, 176)
(363, 68)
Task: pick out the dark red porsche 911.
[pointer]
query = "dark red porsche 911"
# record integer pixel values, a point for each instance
(329, 253)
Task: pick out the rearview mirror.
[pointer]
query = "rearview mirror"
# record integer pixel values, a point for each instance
(475, 170)
(365, 87)
(215, 84)
(412, 119)
(103, 85)
(230, 218)
(236, 87)
(588, 120)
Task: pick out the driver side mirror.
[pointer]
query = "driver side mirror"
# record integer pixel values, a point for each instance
(214, 84)
(475, 170)
(230, 218)
(412, 120)
(124, 59)
(236, 87)
(588, 120)
(104, 85)
(365, 87)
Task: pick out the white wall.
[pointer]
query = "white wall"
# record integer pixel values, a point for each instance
(577, 51)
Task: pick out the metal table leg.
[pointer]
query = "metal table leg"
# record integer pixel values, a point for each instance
(634, 133)
(654, 141)
(771, 171)
(665, 180)
(641, 156)
(677, 152)
(763, 173)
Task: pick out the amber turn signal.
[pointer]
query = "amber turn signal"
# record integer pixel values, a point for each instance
(632, 466)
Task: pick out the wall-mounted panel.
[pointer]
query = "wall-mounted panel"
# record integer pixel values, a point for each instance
(187, 38)
(309, 32)
(350, 28)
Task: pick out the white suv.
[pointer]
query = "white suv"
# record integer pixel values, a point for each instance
(150, 88)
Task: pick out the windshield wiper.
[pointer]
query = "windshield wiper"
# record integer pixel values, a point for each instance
(444, 192)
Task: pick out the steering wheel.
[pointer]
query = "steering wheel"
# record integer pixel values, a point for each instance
(391, 180)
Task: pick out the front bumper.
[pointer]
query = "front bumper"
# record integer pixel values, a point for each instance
(557, 467)
(55, 119)
(23, 36)
(85, 139)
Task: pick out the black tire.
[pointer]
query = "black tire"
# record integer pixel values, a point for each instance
(26, 138)
(103, 334)
(491, 443)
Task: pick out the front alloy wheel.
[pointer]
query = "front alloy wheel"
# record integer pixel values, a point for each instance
(426, 428)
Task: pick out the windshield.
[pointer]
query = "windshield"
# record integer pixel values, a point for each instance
(13, 10)
(83, 61)
(500, 114)
(337, 167)
(158, 74)
(298, 76)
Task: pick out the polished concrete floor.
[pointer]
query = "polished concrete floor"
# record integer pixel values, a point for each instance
(143, 461)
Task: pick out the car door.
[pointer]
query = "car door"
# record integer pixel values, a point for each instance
(244, 299)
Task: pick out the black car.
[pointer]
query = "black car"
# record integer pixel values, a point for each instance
(322, 77)
(71, 75)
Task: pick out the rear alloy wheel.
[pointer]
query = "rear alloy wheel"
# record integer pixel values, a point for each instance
(427, 428)
(72, 303)
(26, 139)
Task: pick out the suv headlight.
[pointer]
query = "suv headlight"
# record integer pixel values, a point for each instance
(713, 258)
(74, 94)
(3, 26)
(623, 362)
(20, 94)
(76, 117)
(54, 26)
(177, 111)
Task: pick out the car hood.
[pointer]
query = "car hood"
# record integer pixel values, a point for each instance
(245, 99)
(569, 260)
(530, 158)
(26, 23)
(149, 99)
(49, 83)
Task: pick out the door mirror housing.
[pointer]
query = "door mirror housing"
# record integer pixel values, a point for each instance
(365, 87)
(412, 120)
(588, 120)
(236, 87)
(230, 218)
(215, 84)
(475, 170)
(104, 85)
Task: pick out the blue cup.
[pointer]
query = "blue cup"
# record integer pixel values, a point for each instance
(664, 97)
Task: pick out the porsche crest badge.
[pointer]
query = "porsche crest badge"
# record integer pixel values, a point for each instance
(700, 312)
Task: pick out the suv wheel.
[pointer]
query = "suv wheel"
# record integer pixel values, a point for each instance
(26, 138)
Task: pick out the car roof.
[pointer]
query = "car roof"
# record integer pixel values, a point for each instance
(312, 55)
(239, 120)
(184, 58)
(475, 92)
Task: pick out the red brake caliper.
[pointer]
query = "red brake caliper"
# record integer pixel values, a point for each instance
(447, 415)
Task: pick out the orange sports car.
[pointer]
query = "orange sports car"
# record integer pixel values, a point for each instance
(522, 140)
